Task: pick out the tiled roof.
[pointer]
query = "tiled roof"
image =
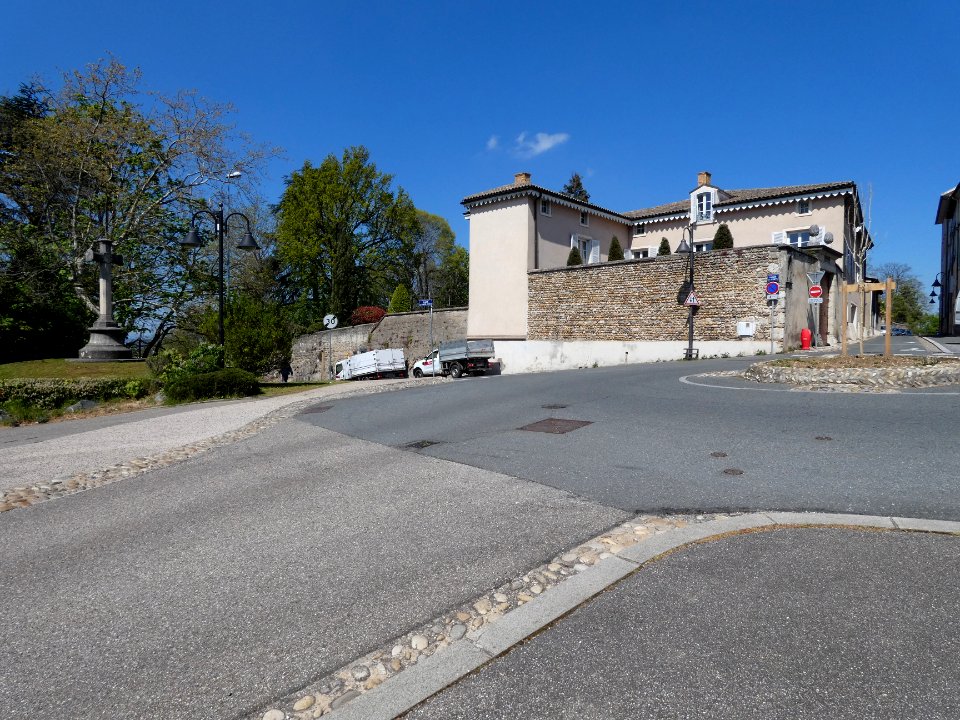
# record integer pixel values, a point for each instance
(725, 197)
(736, 197)
(512, 187)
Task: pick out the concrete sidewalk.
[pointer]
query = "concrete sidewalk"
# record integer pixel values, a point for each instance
(46, 454)
(783, 615)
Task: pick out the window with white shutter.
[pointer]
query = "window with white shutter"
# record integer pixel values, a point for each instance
(780, 238)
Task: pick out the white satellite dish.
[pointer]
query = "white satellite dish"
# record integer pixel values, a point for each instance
(330, 321)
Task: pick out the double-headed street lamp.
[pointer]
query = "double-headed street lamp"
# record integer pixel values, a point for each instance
(193, 241)
(686, 247)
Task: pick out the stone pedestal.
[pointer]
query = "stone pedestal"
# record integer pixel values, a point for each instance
(106, 343)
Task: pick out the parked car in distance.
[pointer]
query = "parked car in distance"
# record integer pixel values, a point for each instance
(456, 358)
(373, 364)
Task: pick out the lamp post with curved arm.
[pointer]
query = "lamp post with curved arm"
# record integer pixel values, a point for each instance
(685, 247)
(193, 241)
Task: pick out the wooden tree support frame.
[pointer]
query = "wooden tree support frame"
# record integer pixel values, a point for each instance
(863, 288)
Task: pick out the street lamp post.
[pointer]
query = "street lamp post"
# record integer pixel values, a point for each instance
(933, 294)
(193, 241)
(686, 247)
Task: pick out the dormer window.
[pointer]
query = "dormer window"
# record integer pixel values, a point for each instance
(705, 206)
(545, 207)
(584, 219)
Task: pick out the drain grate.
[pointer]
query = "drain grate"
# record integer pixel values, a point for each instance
(554, 406)
(556, 426)
(733, 471)
(314, 409)
(823, 437)
(718, 454)
(421, 444)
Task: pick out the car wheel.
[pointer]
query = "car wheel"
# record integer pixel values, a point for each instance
(417, 373)
(456, 370)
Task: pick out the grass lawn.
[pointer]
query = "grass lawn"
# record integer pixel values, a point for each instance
(273, 389)
(63, 369)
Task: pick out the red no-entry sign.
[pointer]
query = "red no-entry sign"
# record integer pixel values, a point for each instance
(816, 291)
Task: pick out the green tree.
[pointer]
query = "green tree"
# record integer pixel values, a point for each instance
(345, 233)
(664, 247)
(574, 188)
(908, 299)
(99, 158)
(453, 279)
(257, 333)
(615, 252)
(723, 238)
(400, 300)
(574, 258)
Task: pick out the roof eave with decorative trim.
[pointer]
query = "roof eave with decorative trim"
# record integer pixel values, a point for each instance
(814, 195)
(472, 201)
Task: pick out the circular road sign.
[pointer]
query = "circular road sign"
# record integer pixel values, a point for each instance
(773, 288)
(816, 291)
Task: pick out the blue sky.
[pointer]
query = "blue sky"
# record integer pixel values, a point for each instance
(454, 97)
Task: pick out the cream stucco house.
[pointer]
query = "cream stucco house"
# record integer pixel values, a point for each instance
(523, 227)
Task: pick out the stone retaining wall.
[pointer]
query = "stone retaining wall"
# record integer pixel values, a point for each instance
(410, 332)
(637, 300)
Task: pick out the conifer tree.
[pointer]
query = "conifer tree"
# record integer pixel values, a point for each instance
(574, 257)
(664, 247)
(574, 188)
(723, 238)
(615, 252)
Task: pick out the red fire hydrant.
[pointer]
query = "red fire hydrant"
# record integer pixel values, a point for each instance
(805, 337)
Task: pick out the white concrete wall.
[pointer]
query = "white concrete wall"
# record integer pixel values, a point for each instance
(521, 356)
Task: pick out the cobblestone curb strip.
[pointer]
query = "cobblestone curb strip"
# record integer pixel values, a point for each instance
(424, 662)
(944, 372)
(27, 495)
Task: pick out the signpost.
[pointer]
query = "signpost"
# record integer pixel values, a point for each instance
(330, 322)
(692, 300)
(428, 303)
(864, 287)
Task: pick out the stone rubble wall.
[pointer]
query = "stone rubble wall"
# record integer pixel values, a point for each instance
(946, 372)
(637, 300)
(410, 332)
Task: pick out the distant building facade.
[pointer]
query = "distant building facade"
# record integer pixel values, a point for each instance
(521, 228)
(948, 218)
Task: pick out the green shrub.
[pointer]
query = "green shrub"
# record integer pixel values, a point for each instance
(53, 393)
(231, 382)
(400, 301)
(169, 365)
(723, 238)
(664, 247)
(615, 252)
(574, 257)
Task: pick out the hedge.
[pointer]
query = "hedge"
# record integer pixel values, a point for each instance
(231, 382)
(52, 393)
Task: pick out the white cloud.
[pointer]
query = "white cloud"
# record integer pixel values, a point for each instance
(493, 143)
(539, 143)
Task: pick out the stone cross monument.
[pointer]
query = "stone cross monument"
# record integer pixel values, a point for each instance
(106, 337)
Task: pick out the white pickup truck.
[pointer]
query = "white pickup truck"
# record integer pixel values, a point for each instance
(456, 358)
(372, 364)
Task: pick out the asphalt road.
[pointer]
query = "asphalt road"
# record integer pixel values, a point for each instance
(208, 588)
(655, 443)
(784, 625)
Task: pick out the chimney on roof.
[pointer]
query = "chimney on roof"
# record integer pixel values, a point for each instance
(703, 178)
(521, 178)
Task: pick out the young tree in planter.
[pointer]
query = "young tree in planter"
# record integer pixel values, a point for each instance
(616, 252)
(574, 257)
(664, 247)
(723, 239)
(575, 189)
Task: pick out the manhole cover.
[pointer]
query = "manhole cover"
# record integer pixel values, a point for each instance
(718, 454)
(733, 471)
(554, 406)
(556, 426)
(421, 444)
(823, 437)
(313, 409)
